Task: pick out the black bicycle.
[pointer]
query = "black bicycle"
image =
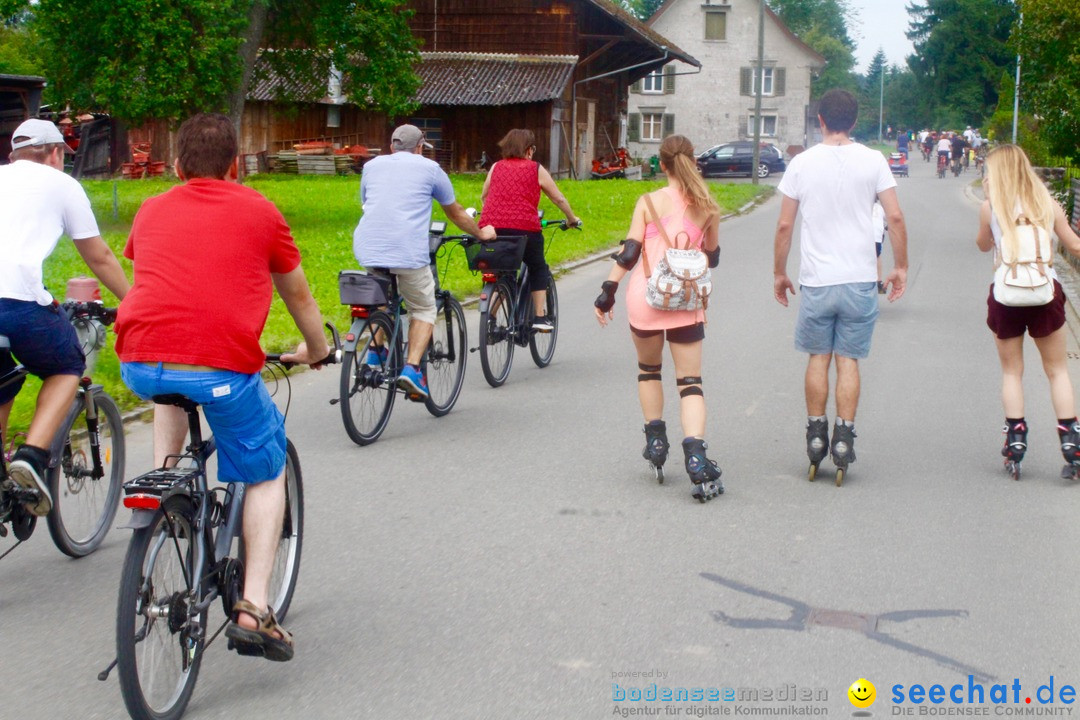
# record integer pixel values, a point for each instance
(86, 459)
(375, 347)
(186, 552)
(506, 306)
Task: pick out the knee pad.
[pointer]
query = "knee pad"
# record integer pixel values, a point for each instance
(629, 252)
(690, 386)
(649, 372)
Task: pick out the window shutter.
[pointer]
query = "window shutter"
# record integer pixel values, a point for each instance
(669, 125)
(744, 81)
(636, 88)
(633, 127)
(669, 79)
(743, 123)
(779, 80)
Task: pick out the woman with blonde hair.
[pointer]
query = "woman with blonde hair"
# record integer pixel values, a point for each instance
(1016, 196)
(686, 210)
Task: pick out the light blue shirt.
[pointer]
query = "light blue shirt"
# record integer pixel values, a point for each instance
(395, 194)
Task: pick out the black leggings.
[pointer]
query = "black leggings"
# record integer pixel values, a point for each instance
(539, 273)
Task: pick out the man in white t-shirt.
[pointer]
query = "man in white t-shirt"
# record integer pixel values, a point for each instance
(834, 185)
(39, 203)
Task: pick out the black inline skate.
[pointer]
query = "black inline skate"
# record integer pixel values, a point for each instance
(1070, 449)
(817, 444)
(1015, 447)
(703, 472)
(843, 450)
(656, 447)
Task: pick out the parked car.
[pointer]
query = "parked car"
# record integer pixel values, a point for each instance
(737, 158)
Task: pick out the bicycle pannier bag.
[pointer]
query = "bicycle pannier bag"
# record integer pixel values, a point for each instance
(1025, 281)
(363, 289)
(681, 279)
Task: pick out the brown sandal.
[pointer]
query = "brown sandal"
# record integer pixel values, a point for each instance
(263, 641)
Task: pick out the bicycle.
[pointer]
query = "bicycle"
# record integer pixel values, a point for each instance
(506, 307)
(376, 343)
(180, 560)
(942, 164)
(86, 458)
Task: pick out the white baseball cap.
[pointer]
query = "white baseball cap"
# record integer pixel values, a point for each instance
(35, 133)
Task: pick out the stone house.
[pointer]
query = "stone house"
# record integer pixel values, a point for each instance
(716, 105)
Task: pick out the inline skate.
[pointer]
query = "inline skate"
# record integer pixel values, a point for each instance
(817, 444)
(703, 472)
(1070, 449)
(656, 447)
(843, 450)
(1015, 447)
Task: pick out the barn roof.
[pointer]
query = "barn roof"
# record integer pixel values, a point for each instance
(645, 32)
(450, 78)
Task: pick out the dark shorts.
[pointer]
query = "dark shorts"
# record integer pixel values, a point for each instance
(1038, 320)
(42, 339)
(878, 248)
(685, 334)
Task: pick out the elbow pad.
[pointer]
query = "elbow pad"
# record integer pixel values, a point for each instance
(629, 252)
(713, 256)
(606, 299)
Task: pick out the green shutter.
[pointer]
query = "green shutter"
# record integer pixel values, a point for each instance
(669, 125)
(779, 80)
(744, 81)
(633, 127)
(636, 88)
(669, 79)
(715, 26)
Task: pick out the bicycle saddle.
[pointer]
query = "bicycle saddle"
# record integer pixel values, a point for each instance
(180, 401)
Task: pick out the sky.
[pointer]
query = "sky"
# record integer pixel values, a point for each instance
(880, 23)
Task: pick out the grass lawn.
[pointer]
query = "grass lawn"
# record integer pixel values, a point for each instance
(322, 212)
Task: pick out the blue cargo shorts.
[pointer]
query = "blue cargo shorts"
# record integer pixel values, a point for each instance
(837, 319)
(249, 431)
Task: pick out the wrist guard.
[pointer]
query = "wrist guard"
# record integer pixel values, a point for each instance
(606, 299)
(713, 256)
(628, 254)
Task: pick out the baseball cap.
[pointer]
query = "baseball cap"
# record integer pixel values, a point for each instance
(407, 137)
(37, 133)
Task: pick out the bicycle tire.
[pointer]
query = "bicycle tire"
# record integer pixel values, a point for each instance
(496, 334)
(542, 344)
(445, 359)
(159, 559)
(286, 567)
(367, 392)
(84, 507)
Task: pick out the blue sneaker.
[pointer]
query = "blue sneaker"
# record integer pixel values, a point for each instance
(412, 382)
(376, 357)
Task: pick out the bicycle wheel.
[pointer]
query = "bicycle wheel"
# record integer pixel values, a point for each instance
(367, 390)
(542, 344)
(445, 358)
(158, 645)
(496, 334)
(83, 505)
(287, 561)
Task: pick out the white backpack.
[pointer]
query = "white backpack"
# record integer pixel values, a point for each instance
(1025, 280)
(681, 279)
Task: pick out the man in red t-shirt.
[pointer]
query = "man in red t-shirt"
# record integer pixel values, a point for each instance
(207, 255)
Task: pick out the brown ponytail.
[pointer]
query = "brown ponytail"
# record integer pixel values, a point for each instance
(677, 155)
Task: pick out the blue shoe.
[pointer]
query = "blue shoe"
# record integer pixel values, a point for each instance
(412, 382)
(376, 357)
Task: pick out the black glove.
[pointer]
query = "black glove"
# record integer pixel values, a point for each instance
(713, 256)
(606, 299)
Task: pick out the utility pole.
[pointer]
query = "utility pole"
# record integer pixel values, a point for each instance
(881, 105)
(760, 70)
(1016, 88)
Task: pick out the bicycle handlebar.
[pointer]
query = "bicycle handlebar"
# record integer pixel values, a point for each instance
(331, 359)
(562, 224)
(106, 315)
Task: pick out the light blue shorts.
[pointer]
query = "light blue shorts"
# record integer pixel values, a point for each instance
(249, 431)
(837, 319)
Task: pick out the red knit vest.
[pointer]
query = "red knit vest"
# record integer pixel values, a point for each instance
(513, 196)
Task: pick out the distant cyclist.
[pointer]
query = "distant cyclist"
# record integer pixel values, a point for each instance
(944, 147)
(958, 147)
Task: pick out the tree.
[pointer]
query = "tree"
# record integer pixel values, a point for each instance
(822, 24)
(166, 59)
(643, 9)
(1048, 40)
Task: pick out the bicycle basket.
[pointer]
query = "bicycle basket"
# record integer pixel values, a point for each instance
(360, 288)
(502, 255)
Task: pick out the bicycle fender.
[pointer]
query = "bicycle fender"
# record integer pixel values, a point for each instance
(139, 519)
(485, 296)
(348, 345)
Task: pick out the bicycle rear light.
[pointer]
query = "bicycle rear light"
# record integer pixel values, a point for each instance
(359, 312)
(142, 502)
(488, 277)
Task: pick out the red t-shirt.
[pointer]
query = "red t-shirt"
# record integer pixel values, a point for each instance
(203, 253)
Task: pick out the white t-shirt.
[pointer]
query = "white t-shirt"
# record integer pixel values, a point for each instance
(836, 187)
(878, 223)
(944, 145)
(38, 204)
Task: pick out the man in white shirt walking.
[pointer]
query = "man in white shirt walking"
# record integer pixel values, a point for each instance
(834, 185)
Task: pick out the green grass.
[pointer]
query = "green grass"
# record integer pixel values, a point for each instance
(322, 212)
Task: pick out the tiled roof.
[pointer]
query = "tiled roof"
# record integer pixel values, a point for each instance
(268, 85)
(449, 78)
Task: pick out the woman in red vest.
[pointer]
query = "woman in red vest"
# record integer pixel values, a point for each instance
(510, 198)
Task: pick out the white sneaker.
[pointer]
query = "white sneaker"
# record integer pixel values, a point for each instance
(25, 476)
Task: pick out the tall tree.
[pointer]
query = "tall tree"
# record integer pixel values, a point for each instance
(165, 59)
(823, 25)
(1048, 40)
(643, 9)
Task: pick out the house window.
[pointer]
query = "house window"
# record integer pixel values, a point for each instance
(766, 77)
(653, 82)
(652, 127)
(768, 126)
(715, 25)
(432, 129)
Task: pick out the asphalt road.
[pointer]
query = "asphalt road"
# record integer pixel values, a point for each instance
(516, 558)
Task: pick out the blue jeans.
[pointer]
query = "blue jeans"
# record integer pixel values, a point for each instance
(837, 319)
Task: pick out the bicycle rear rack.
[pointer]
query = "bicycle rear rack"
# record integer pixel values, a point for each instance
(149, 490)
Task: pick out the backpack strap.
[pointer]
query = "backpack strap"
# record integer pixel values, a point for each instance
(651, 210)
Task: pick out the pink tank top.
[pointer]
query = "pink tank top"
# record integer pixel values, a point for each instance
(513, 196)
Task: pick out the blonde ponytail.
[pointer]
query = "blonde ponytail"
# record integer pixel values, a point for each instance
(677, 154)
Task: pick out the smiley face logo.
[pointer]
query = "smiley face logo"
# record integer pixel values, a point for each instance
(862, 693)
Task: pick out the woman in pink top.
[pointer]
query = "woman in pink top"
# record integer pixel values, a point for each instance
(511, 196)
(687, 210)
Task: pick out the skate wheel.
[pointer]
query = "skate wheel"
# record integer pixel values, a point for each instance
(659, 473)
(812, 473)
(1014, 469)
(839, 477)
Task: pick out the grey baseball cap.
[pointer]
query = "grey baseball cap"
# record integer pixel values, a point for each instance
(407, 137)
(35, 133)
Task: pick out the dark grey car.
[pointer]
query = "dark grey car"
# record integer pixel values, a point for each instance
(737, 158)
